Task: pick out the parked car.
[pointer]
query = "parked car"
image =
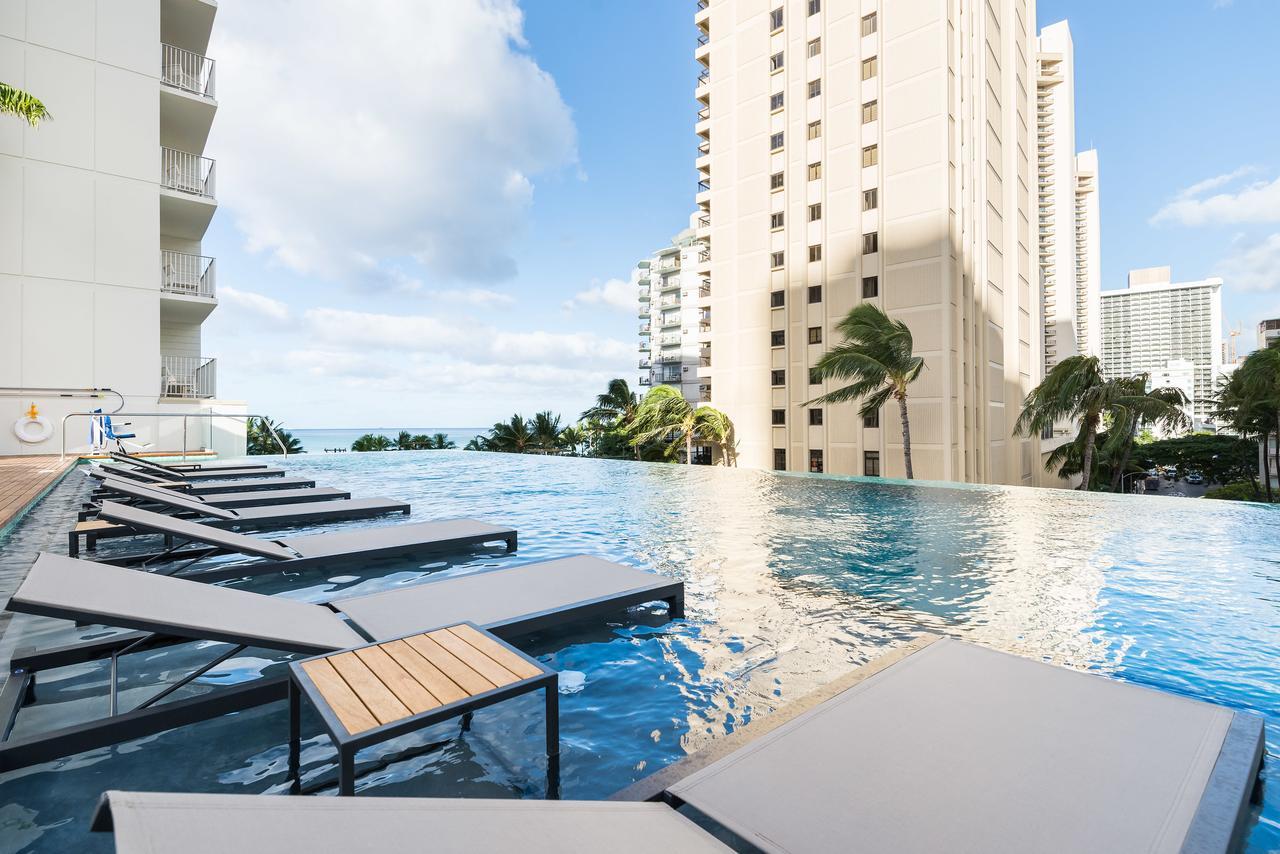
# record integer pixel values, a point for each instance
(1195, 478)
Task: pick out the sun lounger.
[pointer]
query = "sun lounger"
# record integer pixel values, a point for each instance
(142, 493)
(508, 601)
(185, 467)
(941, 746)
(146, 822)
(198, 474)
(193, 541)
(103, 470)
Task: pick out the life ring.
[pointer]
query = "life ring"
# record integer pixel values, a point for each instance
(32, 429)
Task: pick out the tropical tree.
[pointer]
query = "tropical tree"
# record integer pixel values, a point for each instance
(573, 438)
(372, 442)
(1249, 404)
(477, 443)
(438, 442)
(665, 416)
(512, 437)
(546, 431)
(404, 441)
(1161, 408)
(611, 414)
(24, 105)
(260, 440)
(877, 356)
(1073, 389)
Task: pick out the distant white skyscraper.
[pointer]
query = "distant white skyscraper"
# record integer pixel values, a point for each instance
(1154, 324)
(671, 321)
(1268, 331)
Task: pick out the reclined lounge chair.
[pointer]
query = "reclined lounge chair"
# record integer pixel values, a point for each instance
(131, 491)
(349, 549)
(941, 746)
(508, 601)
(177, 484)
(198, 474)
(185, 467)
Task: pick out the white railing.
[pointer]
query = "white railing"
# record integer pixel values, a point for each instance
(189, 275)
(186, 172)
(186, 70)
(188, 377)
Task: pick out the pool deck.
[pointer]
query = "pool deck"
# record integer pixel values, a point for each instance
(24, 479)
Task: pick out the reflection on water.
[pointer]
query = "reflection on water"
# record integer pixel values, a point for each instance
(790, 581)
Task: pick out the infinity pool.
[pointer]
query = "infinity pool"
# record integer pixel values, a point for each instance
(790, 581)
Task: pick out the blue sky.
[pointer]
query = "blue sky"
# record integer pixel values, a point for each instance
(447, 254)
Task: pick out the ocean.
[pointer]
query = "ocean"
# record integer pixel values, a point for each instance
(315, 439)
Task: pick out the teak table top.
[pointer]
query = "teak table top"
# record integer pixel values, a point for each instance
(383, 683)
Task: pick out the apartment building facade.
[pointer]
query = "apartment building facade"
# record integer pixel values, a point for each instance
(882, 152)
(673, 325)
(1157, 327)
(103, 279)
(1268, 332)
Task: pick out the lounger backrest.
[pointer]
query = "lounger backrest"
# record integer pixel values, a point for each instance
(82, 590)
(139, 462)
(131, 473)
(158, 523)
(176, 500)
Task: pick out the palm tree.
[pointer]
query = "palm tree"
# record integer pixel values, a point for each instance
(1160, 407)
(404, 441)
(438, 442)
(1259, 393)
(617, 405)
(573, 438)
(665, 415)
(372, 442)
(877, 355)
(513, 437)
(260, 440)
(478, 443)
(546, 431)
(1073, 389)
(715, 427)
(15, 102)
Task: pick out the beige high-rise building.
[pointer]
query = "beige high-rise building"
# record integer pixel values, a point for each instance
(871, 151)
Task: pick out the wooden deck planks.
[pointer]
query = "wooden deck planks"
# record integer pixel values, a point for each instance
(23, 478)
(383, 683)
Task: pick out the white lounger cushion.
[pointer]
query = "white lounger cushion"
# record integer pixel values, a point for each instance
(961, 748)
(152, 823)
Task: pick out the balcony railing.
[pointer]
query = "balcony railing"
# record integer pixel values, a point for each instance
(704, 147)
(704, 256)
(189, 275)
(703, 38)
(705, 77)
(704, 221)
(703, 186)
(186, 172)
(186, 70)
(646, 381)
(667, 359)
(704, 357)
(704, 291)
(704, 113)
(188, 377)
(644, 363)
(704, 393)
(644, 329)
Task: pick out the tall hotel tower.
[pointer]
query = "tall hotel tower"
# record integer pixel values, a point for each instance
(879, 151)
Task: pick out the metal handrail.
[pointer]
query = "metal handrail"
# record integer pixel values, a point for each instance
(54, 391)
(63, 453)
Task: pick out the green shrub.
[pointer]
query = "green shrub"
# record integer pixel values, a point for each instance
(1241, 490)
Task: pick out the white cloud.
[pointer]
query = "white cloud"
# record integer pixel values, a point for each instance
(478, 297)
(1252, 266)
(1253, 203)
(615, 294)
(383, 133)
(264, 306)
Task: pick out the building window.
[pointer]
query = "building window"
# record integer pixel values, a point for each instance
(775, 19)
(775, 181)
(815, 212)
(780, 459)
(815, 462)
(815, 47)
(815, 171)
(872, 420)
(869, 67)
(777, 299)
(871, 155)
(777, 377)
(870, 199)
(777, 337)
(815, 6)
(869, 24)
(870, 243)
(775, 62)
(815, 252)
(870, 287)
(776, 259)
(815, 129)
(815, 378)
(779, 416)
(815, 293)
(775, 142)
(815, 88)
(775, 101)
(815, 417)
(871, 463)
(815, 334)
(870, 111)
(776, 220)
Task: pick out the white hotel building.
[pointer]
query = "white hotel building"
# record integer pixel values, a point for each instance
(673, 325)
(103, 279)
(1168, 330)
(882, 151)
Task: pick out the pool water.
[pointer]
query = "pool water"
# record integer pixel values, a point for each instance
(790, 582)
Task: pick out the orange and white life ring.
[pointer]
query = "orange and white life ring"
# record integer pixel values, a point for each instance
(32, 427)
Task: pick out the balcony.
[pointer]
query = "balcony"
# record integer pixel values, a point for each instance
(187, 70)
(187, 275)
(704, 393)
(187, 104)
(644, 347)
(187, 199)
(644, 328)
(645, 364)
(671, 320)
(646, 381)
(670, 283)
(188, 377)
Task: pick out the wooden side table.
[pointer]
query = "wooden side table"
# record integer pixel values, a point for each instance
(372, 693)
